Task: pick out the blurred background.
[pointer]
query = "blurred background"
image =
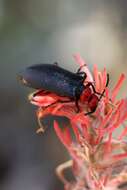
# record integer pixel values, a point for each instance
(45, 31)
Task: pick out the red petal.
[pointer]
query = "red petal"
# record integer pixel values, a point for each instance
(43, 101)
(107, 147)
(96, 77)
(123, 134)
(64, 135)
(81, 62)
(117, 87)
(119, 156)
(76, 131)
(67, 136)
(104, 74)
(85, 132)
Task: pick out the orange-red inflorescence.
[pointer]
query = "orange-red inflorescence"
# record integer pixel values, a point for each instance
(98, 157)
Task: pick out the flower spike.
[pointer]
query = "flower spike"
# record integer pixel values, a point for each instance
(98, 156)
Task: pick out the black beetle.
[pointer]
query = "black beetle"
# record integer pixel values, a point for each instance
(52, 78)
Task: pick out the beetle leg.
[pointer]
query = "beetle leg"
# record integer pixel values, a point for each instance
(90, 112)
(102, 94)
(58, 101)
(78, 71)
(77, 105)
(83, 74)
(38, 92)
(94, 90)
(42, 128)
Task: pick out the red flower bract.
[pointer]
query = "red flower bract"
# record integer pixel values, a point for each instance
(98, 159)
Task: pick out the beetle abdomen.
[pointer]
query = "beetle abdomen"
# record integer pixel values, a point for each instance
(52, 78)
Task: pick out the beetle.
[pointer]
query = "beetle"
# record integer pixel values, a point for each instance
(52, 78)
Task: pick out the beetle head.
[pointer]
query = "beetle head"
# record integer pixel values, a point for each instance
(31, 77)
